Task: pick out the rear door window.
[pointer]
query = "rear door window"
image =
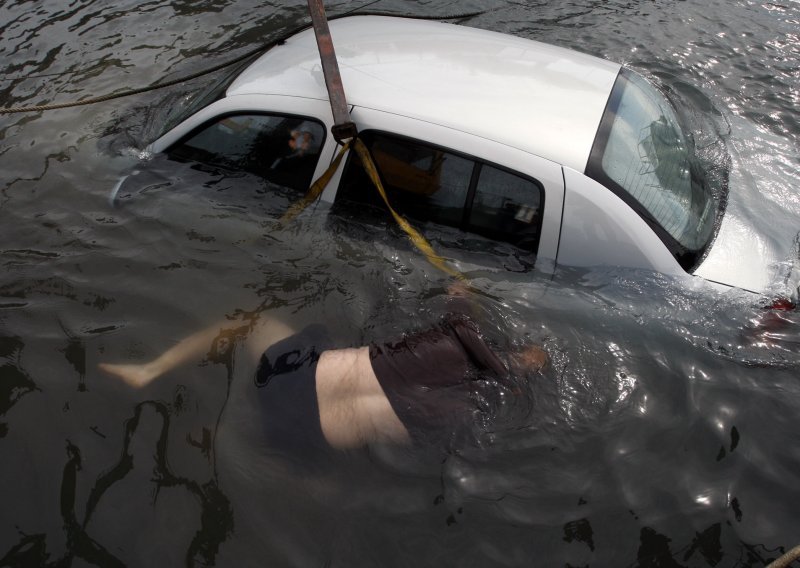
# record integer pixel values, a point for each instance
(281, 149)
(506, 207)
(424, 182)
(432, 184)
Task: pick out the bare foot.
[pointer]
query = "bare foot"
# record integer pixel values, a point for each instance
(135, 375)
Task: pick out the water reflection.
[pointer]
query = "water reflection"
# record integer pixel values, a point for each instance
(14, 381)
(113, 495)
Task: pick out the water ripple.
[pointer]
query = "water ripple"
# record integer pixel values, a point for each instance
(662, 432)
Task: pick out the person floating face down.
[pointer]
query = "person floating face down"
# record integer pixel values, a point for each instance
(315, 396)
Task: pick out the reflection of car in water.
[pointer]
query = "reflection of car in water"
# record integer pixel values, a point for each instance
(568, 157)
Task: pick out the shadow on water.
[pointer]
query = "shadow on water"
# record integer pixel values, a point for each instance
(216, 521)
(143, 461)
(14, 382)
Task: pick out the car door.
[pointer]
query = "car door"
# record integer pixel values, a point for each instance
(437, 174)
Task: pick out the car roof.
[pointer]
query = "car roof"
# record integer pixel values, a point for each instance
(535, 97)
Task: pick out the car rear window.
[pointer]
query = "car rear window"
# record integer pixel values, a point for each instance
(201, 99)
(643, 154)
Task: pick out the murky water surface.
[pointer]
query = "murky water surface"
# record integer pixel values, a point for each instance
(665, 431)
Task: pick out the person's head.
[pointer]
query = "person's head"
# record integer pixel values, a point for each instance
(300, 141)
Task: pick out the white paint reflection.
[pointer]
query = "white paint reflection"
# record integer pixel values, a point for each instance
(724, 416)
(625, 381)
(625, 387)
(703, 500)
(699, 374)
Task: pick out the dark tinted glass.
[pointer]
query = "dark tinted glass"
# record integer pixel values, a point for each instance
(281, 149)
(421, 181)
(507, 208)
(427, 183)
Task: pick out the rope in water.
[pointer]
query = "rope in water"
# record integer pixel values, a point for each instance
(238, 59)
(131, 92)
(786, 559)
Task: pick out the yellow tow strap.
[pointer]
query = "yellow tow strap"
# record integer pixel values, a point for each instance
(317, 187)
(372, 171)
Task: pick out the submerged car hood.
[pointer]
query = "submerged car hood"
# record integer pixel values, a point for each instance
(741, 257)
(749, 251)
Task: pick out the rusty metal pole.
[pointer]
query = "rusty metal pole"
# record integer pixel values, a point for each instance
(343, 128)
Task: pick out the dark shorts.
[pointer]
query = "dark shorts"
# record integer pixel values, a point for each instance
(430, 377)
(286, 377)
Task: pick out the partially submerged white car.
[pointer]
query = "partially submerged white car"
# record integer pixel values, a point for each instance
(566, 156)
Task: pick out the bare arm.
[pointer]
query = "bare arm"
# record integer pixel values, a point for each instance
(529, 358)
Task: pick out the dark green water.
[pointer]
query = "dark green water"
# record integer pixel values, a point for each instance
(665, 432)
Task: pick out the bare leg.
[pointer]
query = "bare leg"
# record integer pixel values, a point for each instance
(265, 334)
(141, 374)
(261, 335)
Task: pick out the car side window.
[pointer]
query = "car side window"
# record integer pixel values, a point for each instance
(421, 181)
(507, 207)
(282, 149)
(427, 183)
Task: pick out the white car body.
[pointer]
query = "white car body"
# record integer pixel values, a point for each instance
(524, 106)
